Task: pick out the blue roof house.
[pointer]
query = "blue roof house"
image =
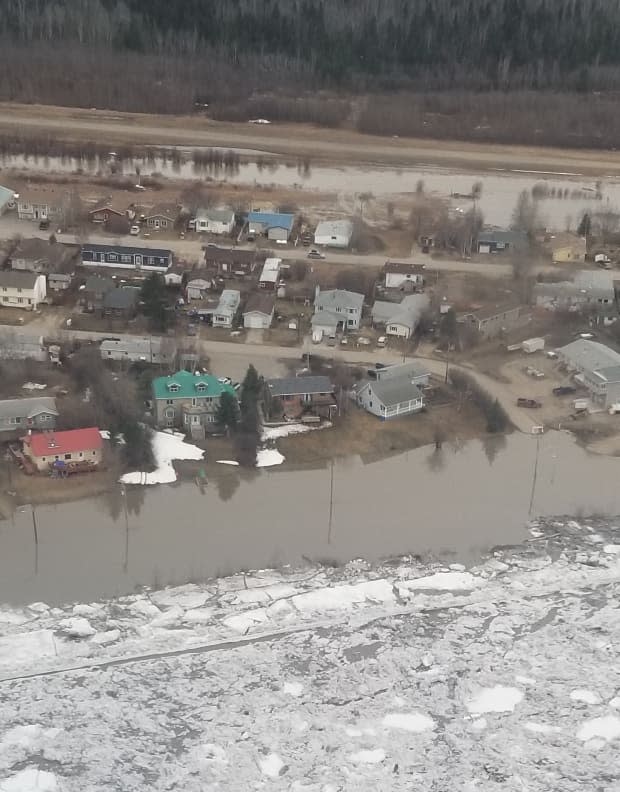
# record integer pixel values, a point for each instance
(7, 199)
(273, 225)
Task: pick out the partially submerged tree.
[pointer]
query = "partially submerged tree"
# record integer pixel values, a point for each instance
(525, 215)
(227, 414)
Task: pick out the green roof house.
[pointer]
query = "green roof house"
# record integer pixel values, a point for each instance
(189, 402)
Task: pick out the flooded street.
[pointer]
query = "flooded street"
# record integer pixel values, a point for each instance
(455, 503)
(497, 200)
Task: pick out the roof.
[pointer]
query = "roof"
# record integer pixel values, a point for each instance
(188, 386)
(40, 197)
(216, 215)
(229, 301)
(594, 279)
(163, 210)
(394, 391)
(57, 443)
(334, 228)
(502, 237)
(39, 249)
(272, 219)
(271, 270)
(403, 267)
(63, 277)
(294, 386)
(332, 298)
(27, 408)
(260, 303)
(121, 298)
(412, 368)
(18, 279)
(591, 356)
(97, 283)
(326, 319)
(6, 195)
(488, 311)
(407, 312)
(145, 346)
(122, 250)
(233, 255)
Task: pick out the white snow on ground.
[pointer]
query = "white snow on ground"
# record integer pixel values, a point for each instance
(408, 721)
(276, 432)
(227, 462)
(271, 765)
(268, 457)
(606, 728)
(445, 581)
(587, 696)
(319, 678)
(77, 627)
(495, 699)
(612, 549)
(166, 448)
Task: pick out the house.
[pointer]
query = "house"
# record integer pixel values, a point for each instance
(566, 248)
(497, 241)
(334, 233)
(224, 314)
(22, 289)
(259, 310)
(94, 289)
(393, 391)
(106, 211)
(294, 397)
(589, 289)
(400, 275)
(162, 216)
(7, 199)
(81, 446)
(39, 206)
(120, 257)
(121, 302)
(496, 320)
(17, 416)
(42, 256)
(595, 366)
(337, 310)
(59, 281)
(198, 285)
(232, 261)
(215, 221)
(189, 401)
(400, 319)
(134, 349)
(274, 225)
(270, 274)
(18, 346)
(174, 276)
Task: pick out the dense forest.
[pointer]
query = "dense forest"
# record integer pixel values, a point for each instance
(166, 55)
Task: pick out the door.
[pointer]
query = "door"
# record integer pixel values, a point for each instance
(138, 260)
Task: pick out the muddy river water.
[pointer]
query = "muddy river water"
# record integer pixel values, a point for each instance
(497, 200)
(455, 503)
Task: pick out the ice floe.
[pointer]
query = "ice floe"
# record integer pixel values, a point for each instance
(499, 698)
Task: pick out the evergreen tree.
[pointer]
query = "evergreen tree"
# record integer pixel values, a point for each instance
(227, 414)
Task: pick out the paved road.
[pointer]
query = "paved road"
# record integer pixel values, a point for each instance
(191, 250)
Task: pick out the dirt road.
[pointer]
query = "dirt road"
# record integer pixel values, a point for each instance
(300, 141)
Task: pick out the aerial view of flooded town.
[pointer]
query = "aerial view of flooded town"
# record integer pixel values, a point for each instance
(309, 407)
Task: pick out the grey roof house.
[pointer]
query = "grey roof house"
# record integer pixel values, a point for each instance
(153, 349)
(494, 240)
(588, 289)
(492, 321)
(39, 255)
(223, 313)
(596, 366)
(122, 301)
(294, 397)
(393, 391)
(400, 319)
(337, 309)
(17, 416)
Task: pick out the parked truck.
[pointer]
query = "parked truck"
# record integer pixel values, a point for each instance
(533, 345)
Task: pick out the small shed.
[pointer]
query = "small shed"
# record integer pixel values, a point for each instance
(259, 310)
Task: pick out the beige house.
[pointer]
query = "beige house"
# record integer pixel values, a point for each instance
(567, 248)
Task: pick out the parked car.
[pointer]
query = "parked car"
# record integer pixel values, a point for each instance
(316, 254)
(521, 402)
(134, 230)
(564, 390)
(44, 224)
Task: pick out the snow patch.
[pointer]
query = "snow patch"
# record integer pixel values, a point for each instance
(227, 462)
(444, 581)
(606, 728)
(368, 757)
(276, 432)
(408, 721)
(166, 448)
(30, 780)
(271, 765)
(496, 699)
(587, 696)
(293, 688)
(268, 457)
(615, 702)
(106, 637)
(77, 627)
(612, 549)
(540, 728)
(24, 649)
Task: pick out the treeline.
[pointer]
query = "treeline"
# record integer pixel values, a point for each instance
(473, 43)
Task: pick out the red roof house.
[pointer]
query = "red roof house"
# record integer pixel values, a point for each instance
(75, 445)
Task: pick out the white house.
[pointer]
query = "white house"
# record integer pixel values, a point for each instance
(135, 349)
(197, 288)
(259, 310)
(35, 206)
(337, 310)
(393, 391)
(20, 289)
(270, 274)
(334, 233)
(399, 274)
(215, 221)
(400, 319)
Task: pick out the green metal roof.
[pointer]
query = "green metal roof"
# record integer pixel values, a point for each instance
(185, 385)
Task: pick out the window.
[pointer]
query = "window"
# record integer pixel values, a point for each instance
(150, 261)
(112, 257)
(194, 402)
(109, 352)
(201, 387)
(126, 259)
(20, 299)
(67, 456)
(4, 288)
(43, 459)
(19, 291)
(94, 453)
(169, 401)
(173, 387)
(18, 420)
(81, 454)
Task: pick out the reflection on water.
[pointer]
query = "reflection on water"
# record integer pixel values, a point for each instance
(563, 199)
(456, 501)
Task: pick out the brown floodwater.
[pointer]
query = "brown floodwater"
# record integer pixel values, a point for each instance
(455, 503)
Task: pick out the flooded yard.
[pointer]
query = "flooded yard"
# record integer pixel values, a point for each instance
(454, 503)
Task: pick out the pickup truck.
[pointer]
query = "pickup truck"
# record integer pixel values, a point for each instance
(564, 390)
(528, 403)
